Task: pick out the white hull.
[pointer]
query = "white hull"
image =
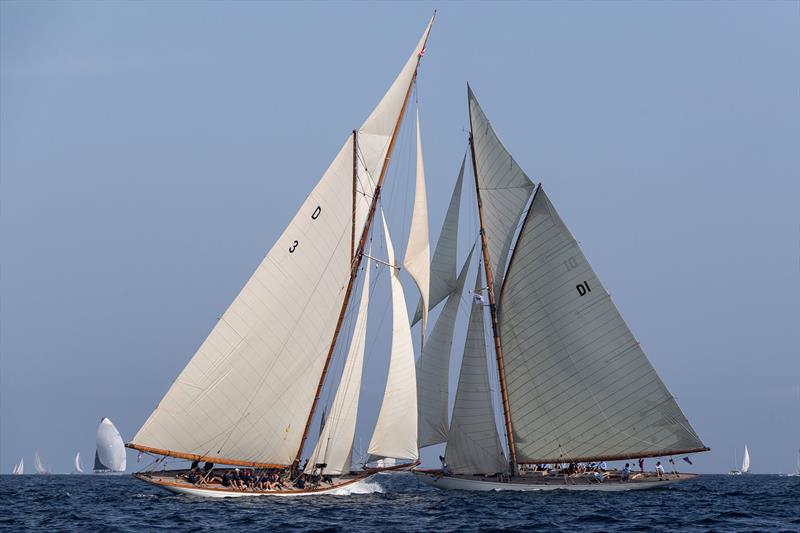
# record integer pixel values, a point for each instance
(460, 483)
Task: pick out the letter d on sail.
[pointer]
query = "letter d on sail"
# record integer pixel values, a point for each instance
(583, 288)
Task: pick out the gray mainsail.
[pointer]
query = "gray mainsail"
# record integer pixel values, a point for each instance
(579, 385)
(473, 446)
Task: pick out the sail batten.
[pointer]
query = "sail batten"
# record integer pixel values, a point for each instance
(433, 368)
(580, 386)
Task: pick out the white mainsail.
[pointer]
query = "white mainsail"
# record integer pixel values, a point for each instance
(746, 461)
(248, 391)
(443, 263)
(110, 455)
(19, 468)
(38, 465)
(503, 186)
(473, 446)
(579, 384)
(395, 432)
(417, 258)
(433, 368)
(77, 463)
(335, 445)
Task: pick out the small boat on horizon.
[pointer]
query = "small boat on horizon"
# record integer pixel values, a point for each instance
(77, 467)
(38, 465)
(19, 468)
(110, 456)
(745, 469)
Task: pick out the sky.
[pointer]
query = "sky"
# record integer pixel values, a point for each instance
(152, 152)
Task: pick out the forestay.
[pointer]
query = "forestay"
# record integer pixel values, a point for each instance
(335, 445)
(417, 258)
(503, 187)
(395, 433)
(579, 384)
(473, 446)
(246, 394)
(433, 368)
(443, 264)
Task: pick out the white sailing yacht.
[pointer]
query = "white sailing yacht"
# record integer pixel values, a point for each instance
(110, 455)
(19, 468)
(249, 395)
(77, 467)
(745, 464)
(796, 472)
(575, 386)
(38, 465)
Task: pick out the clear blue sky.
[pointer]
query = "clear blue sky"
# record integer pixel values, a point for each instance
(151, 152)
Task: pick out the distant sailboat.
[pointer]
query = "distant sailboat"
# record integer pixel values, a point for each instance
(745, 464)
(38, 465)
(796, 472)
(110, 454)
(19, 468)
(77, 465)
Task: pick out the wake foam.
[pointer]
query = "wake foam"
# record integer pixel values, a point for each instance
(362, 487)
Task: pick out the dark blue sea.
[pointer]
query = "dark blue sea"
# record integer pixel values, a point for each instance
(397, 503)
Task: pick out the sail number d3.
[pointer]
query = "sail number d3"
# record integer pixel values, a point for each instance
(314, 216)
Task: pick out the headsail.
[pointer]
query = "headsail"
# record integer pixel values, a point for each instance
(418, 257)
(443, 263)
(503, 188)
(580, 387)
(395, 432)
(335, 445)
(473, 446)
(433, 368)
(246, 395)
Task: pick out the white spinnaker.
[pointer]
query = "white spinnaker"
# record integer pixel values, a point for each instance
(579, 385)
(433, 368)
(110, 448)
(417, 259)
(746, 461)
(395, 432)
(443, 263)
(473, 446)
(247, 392)
(78, 467)
(335, 445)
(504, 188)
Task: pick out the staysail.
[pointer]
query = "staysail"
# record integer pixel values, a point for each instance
(335, 445)
(246, 395)
(433, 368)
(503, 188)
(443, 263)
(579, 385)
(110, 454)
(418, 257)
(473, 446)
(395, 432)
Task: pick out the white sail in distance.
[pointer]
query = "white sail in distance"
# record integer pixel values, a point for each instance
(335, 445)
(110, 455)
(417, 258)
(395, 432)
(746, 461)
(473, 446)
(77, 463)
(503, 186)
(579, 385)
(19, 468)
(433, 368)
(38, 465)
(246, 394)
(443, 263)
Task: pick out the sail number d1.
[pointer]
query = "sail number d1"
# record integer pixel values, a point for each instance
(583, 288)
(314, 216)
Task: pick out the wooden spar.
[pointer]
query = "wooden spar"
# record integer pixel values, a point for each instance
(355, 179)
(615, 457)
(359, 254)
(498, 345)
(195, 457)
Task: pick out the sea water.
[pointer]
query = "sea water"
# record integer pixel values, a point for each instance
(398, 502)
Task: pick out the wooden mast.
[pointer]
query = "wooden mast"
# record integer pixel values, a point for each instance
(359, 253)
(355, 179)
(498, 345)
